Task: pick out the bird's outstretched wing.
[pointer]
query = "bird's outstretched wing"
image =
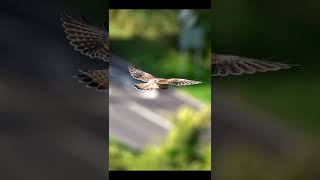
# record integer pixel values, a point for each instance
(87, 39)
(178, 82)
(223, 65)
(140, 75)
(97, 79)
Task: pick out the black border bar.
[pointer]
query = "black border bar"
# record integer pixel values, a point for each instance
(203, 175)
(160, 4)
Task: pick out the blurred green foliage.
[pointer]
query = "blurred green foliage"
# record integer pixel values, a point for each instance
(148, 24)
(185, 148)
(287, 31)
(149, 40)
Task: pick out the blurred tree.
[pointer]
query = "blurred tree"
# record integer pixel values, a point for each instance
(163, 25)
(183, 149)
(144, 23)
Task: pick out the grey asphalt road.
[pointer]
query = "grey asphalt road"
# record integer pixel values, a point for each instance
(139, 118)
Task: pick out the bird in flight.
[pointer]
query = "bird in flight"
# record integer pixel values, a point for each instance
(223, 65)
(151, 82)
(92, 42)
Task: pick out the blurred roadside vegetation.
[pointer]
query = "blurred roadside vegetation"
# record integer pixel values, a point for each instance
(149, 40)
(185, 147)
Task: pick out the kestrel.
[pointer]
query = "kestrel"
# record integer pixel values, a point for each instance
(151, 82)
(223, 65)
(91, 42)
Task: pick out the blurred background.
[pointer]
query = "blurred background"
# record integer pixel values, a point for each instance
(51, 127)
(266, 125)
(165, 129)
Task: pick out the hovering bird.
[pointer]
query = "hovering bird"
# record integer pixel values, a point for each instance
(92, 42)
(223, 65)
(151, 82)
